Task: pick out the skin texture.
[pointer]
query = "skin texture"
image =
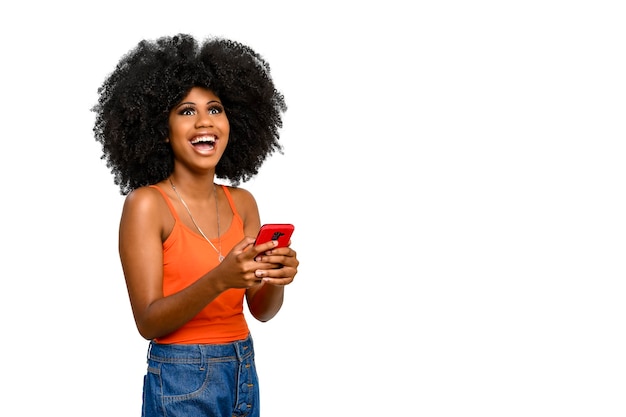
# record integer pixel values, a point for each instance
(146, 222)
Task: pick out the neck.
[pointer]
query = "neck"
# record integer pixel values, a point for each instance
(193, 187)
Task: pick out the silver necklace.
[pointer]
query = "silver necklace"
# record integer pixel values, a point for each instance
(219, 252)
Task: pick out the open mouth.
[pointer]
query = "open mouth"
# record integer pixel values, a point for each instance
(204, 142)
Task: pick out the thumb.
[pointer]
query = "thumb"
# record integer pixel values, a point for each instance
(243, 245)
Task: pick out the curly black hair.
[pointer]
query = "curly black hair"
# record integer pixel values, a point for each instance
(136, 98)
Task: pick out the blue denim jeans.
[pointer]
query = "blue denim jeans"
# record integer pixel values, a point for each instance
(201, 380)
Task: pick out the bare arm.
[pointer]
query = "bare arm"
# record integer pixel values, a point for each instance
(276, 267)
(145, 223)
(141, 251)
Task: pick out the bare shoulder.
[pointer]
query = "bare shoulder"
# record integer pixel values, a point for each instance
(243, 199)
(145, 208)
(144, 200)
(246, 206)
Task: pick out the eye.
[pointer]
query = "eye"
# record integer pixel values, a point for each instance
(216, 108)
(187, 111)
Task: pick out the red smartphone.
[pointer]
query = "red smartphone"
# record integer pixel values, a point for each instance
(275, 231)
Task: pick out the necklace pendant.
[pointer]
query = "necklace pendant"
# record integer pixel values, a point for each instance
(221, 257)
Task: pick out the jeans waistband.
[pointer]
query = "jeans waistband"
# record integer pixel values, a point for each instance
(201, 353)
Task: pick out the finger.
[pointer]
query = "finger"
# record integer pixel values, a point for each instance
(278, 281)
(282, 251)
(278, 259)
(265, 247)
(243, 244)
(268, 271)
(278, 272)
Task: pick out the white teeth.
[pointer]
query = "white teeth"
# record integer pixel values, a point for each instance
(209, 139)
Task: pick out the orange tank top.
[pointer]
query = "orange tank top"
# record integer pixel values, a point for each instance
(186, 257)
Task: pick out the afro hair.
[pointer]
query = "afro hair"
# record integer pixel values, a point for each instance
(135, 100)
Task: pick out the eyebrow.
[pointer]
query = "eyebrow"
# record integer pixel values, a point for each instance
(193, 103)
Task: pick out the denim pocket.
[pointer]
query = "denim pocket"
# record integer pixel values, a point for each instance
(181, 381)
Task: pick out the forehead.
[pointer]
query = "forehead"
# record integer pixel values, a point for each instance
(200, 95)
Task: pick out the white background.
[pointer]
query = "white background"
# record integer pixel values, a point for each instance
(455, 171)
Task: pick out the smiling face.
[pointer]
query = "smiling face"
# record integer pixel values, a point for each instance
(198, 129)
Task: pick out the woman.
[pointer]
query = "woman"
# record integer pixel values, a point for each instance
(173, 116)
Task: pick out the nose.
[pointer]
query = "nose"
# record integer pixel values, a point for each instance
(204, 119)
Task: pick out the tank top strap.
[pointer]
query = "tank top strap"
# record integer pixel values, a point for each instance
(168, 201)
(230, 200)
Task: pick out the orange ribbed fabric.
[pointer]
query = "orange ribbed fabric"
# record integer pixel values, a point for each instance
(186, 257)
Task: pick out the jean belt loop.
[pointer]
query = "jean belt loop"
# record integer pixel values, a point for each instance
(203, 357)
